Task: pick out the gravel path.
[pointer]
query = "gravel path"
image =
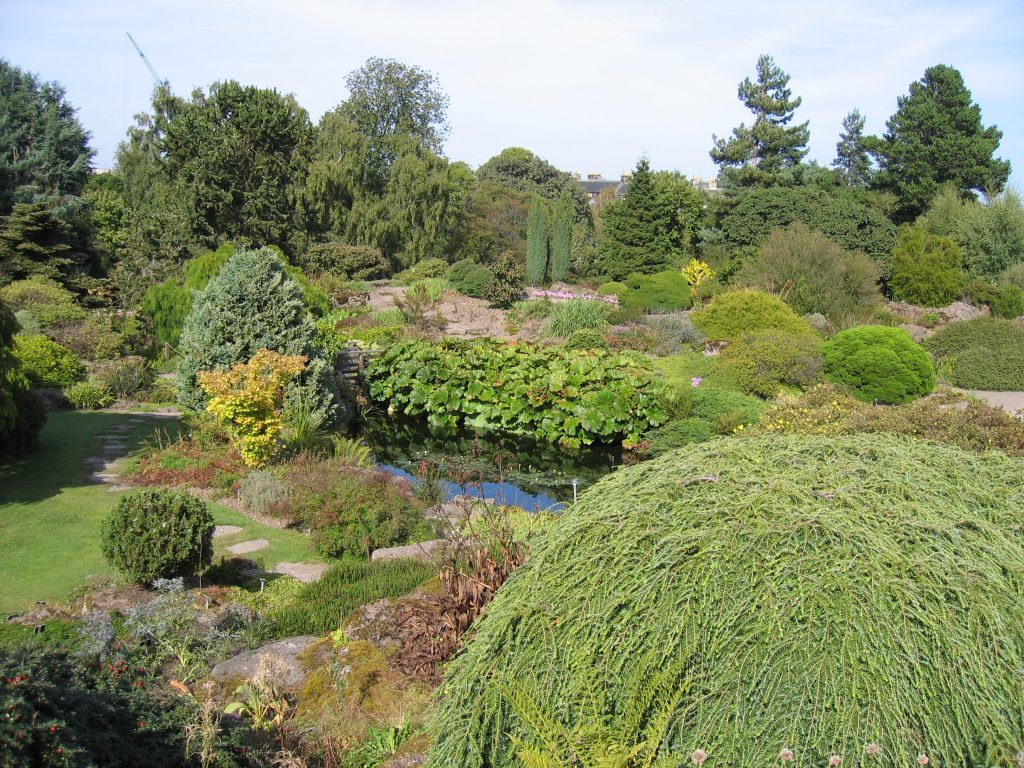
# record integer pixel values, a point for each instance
(1011, 402)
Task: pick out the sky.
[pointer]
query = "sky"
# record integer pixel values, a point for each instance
(589, 86)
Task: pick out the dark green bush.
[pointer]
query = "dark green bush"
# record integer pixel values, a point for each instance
(661, 292)
(361, 512)
(322, 606)
(421, 270)
(879, 364)
(585, 338)
(47, 363)
(760, 362)
(814, 275)
(981, 354)
(747, 596)
(62, 713)
(469, 278)
(353, 262)
(926, 269)
(732, 313)
(725, 409)
(1006, 301)
(157, 535)
(508, 281)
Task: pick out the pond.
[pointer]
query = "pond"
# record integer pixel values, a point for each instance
(508, 469)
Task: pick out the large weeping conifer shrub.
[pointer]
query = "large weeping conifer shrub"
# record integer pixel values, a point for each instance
(858, 597)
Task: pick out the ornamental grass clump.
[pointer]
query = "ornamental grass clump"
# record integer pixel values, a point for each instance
(812, 595)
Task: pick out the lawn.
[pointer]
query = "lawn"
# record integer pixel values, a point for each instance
(50, 511)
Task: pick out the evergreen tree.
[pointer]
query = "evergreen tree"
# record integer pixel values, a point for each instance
(35, 242)
(249, 305)
(636, 236)
(936, 136)
(852, 158)
(561, 237)
(538, 225)
(759, 155)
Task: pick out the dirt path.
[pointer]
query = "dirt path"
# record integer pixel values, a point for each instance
(1011, 402)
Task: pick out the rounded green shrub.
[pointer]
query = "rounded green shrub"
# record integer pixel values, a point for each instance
(760, 362)
(1006, 300)
(677, 434)
(421, 270)
(353, 262)
(47, 363)
(88, 395)
(157, 535)
(880, 364)
(469, 278)
(732, 313)
(743, 597)
(661, 292)
(585, 338)
(985, 353)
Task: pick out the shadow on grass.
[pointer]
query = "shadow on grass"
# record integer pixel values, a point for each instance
(67, 441)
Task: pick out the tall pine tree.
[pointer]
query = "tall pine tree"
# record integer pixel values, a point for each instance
(852, 158)
(936, 136)
(561, 237)
(537, 228)
(637, 230)
(760, 155)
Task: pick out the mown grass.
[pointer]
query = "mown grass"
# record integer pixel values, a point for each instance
(50, 511)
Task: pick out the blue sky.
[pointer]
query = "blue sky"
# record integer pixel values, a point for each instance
(588, 85)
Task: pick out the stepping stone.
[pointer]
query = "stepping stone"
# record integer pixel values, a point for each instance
(225, 530)
(248, 546)
(121, 488)
(307, 572)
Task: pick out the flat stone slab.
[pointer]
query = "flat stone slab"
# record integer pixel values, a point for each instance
(307, 572)
(424, 550)
(225, 530)
(248, 546)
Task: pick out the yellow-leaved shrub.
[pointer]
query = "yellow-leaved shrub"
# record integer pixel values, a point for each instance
(249, 399)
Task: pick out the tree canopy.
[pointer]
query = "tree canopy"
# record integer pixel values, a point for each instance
(44, 151)
(852, 159)
(760, 154)
(519, 169)
(389, 100)
(936, 136)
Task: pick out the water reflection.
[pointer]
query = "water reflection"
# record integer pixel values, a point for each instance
(510, 470)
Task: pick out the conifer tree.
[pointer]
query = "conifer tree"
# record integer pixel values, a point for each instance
(538, 225)
(637, 230)
(936, 136)
(561, 237)
(760, 154)
(852, 158)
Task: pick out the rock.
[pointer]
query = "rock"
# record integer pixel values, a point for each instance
(282, 654)
(916, 332)
(252, 545)
(424, 550)
(305, 572)
(225, 530)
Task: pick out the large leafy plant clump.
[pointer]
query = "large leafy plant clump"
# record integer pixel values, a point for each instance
(552, 394)
(47, 363)
(986, 353)
(824, 596)
(879, 363)
(158, 534)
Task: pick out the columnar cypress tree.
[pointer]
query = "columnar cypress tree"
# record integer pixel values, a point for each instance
(538, 225)
(637, 230)
(561, 237)
(851, 155)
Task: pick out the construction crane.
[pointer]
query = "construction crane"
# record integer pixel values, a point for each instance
(149, 66)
